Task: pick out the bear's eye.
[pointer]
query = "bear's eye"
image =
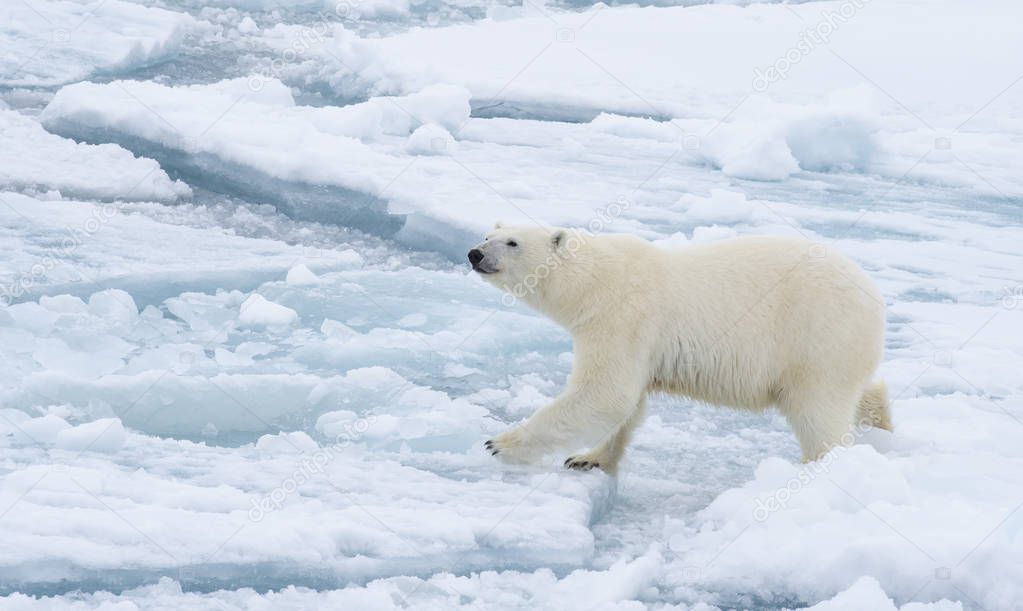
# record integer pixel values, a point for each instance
(512, 243)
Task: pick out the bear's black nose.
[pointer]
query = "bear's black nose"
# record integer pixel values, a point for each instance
(475, 256)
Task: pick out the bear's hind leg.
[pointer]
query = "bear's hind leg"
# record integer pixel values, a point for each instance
(874, 408)
(609, 453)
(820, 420)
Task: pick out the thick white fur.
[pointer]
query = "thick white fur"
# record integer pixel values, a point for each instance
(747, 322)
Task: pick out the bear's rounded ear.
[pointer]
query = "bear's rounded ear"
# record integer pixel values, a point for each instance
(558, 238)
(498, 225)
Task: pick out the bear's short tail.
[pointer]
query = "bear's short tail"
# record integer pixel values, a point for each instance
(873, 409)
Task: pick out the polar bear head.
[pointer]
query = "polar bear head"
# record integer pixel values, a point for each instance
(524, 260)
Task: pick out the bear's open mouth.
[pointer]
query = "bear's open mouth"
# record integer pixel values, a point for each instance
(482, 270)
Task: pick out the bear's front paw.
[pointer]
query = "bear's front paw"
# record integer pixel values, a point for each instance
(515, 446)
(581, 463)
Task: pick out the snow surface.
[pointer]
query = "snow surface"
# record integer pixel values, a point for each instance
(245, 367)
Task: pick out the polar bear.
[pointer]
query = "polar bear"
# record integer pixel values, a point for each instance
(747, 322)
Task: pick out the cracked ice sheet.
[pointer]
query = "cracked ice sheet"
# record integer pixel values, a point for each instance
(51, 42)
(371, 480)
(33, 160)
(577, 56)
(369, 164)
(618, 587)
(293, 510)
(62, 246)
(701, 63)
(935, 408)
(385, 460)
(317, 355)
(363, 162)
(947, 257)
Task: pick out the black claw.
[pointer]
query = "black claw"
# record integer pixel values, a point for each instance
(581, 465)
(489, 444)
(494, 452)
